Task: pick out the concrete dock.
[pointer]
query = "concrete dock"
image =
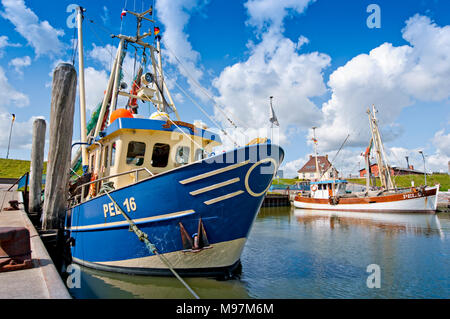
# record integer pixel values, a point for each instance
(40, 282)
(443, 205)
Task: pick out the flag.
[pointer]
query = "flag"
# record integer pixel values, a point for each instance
(273, 118)
(124, 13)
(14, 117)
(156, 30)
(314, 140)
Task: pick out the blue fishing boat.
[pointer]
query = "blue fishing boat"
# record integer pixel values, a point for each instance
(154, 197)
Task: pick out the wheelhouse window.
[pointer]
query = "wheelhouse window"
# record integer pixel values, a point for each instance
(182, 155)
(92, 162)
(135, 153)
(160, 156)
(106, 156)
(199, 154)
(113, 154)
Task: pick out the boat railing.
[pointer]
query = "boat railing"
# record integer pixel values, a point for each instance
(96, 181)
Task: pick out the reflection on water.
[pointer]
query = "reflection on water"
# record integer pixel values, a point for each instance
(293, 253)
(101, 284)
(418, 224)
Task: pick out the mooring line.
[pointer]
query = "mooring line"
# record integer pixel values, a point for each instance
(142, 236)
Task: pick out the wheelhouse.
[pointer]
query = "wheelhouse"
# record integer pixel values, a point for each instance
(328, 188)
(132, 149)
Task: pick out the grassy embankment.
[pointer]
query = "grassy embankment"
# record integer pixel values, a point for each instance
(11, 168)
(405, 180)
(285, 181)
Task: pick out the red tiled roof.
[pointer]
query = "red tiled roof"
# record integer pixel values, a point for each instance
(310, 166)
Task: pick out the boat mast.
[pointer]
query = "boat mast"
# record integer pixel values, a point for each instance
(107, 96)
(315, 152)
(367, 162)
(118, 63)
(157, 67)
(84, 154)
(158, 47)
(383, 168)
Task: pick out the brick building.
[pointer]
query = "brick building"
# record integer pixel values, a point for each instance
(394, 171)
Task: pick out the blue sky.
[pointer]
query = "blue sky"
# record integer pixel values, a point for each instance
(319, 59)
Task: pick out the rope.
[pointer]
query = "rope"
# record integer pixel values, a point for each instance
(121, 20)
(348, 135)
(204, 112)
(74, 47)
(151, 247)
(203, 89)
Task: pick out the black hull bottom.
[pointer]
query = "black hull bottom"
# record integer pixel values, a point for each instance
(216, 272)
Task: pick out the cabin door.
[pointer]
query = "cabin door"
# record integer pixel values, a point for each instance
(330, 190)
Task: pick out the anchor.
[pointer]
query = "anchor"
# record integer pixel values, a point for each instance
(197, 242)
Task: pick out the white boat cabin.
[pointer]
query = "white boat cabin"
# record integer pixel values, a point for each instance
(328, 188)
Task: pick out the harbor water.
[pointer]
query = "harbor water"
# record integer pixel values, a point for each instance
(293, 253)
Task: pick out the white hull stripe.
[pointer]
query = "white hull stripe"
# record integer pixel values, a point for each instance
(136, 221)
(215, 186)
(221, 198)
(212, 173)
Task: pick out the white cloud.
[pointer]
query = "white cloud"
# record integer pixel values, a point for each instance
(4, 42)
(22, 132)
(442, 142)
(290, 168)
(19, 63)
(265, 14)
(390, 77)
(8, 95)
(276, 67)
(175, 15)
(103, 54)
(439, 161)
(97, 79)
(105, 15)
(95, 84)
(40, 34)
(428, 74)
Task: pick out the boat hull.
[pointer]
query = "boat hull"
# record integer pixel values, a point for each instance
(225, 192)
(413, 201)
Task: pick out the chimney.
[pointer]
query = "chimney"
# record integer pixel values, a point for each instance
(310, 156)
(411, 167)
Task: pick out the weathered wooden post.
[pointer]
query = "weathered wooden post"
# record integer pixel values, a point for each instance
(61, 129)
(37, 165)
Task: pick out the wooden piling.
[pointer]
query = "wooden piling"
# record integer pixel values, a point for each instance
(37, 165)
(61, 129)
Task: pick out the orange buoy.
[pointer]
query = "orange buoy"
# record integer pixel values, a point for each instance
(92, 190)
(120, 113)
